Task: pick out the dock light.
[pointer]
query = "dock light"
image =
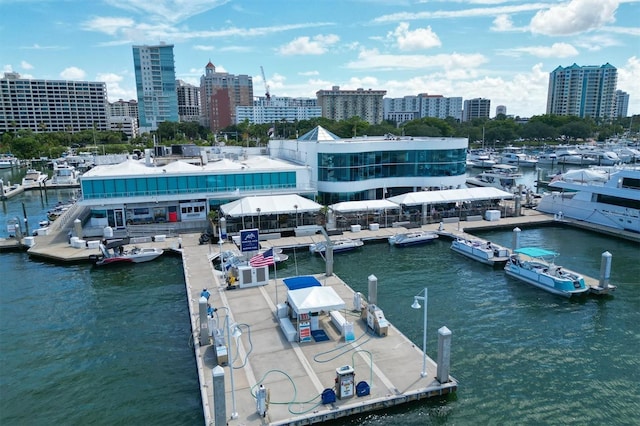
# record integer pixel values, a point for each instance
(416, 305)
(236, 333)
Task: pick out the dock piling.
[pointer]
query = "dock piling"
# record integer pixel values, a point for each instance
(204, 322)
(444, 354)
(515, 241)
(219, 397)
(605, 269)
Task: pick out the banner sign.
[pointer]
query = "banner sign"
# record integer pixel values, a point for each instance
(249, 240)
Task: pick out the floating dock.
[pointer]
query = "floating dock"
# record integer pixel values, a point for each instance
(297, 374)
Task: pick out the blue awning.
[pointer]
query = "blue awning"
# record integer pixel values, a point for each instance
(295, 283)
(535, 252)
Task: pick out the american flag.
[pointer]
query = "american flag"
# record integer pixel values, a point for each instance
(262, 259)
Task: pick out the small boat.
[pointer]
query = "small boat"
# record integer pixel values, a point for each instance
(58, 210)
(120, 255)
(483, 251)
(412, 238)
(339, 246)
(34, 178)
(8, 161)
(528, 264)
(518, 159)
(64, 174)
(480, 159)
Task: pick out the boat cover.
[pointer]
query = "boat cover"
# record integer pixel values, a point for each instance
(295, 283)
(535, 252)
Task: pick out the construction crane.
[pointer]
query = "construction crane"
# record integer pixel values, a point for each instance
(266, 85)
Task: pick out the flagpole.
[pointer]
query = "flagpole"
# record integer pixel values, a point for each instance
(275, 274)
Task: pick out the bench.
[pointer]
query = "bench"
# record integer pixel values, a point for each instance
(288, 329)
(474, 218)
(338, 320)
(450, 220)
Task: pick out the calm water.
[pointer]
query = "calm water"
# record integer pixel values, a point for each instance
(82, 345)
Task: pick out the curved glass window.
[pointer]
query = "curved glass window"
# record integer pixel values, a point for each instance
(384, 164)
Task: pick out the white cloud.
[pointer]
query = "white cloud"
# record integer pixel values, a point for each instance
(556, 50)
(317, 45)
(464, 13)
(629, 81)
(26, 65)
(39, 47)
(7, 68)
(73, 73)
(421, 38)
(108, 25)
(596, 42)
(373, 59)
(114, 89)
(309, 73)
(574, 17)
(502, 23)
(203, 47)
(168, 10)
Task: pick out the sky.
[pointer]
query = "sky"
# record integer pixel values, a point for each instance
(493, 49)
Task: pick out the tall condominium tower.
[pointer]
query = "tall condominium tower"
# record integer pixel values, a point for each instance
(156, 85)
(339, 104)
(622, 103)
(220, 94)
(188, 101)
(476, 108)
(588, 91)
(52, 105)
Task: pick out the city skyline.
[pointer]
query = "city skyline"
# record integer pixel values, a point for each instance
(499, 50)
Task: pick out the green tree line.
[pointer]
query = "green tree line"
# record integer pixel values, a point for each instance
(500, 131)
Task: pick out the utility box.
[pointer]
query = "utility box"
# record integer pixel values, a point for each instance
(376, 320)
(492, 215)
(345, 382)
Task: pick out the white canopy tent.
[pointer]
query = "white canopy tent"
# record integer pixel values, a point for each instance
(314, 299)
(271, 204)
(362, 206)
(450, 196)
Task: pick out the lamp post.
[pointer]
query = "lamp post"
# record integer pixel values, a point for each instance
(295, 206)
(416, 305)
(258, 210)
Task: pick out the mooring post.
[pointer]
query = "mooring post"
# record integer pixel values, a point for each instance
(219, 397)
(372, 296)
(204, 321)
(515, 241)
(605, 270)
(444, 354)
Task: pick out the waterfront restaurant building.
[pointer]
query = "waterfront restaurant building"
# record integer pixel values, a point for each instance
(319, 166)
(375, 167)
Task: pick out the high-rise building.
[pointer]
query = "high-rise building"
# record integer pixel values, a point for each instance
(339, 104)
(122, 108)
(423, 105)
(588, 91)
(622, 103)
(188, 101)
(278, 109)
(220, 94)
(52, 105)
(476, 108)
(501, 110)
(156, 85)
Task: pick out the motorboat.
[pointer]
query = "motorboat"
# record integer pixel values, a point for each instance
(609, 199)
(34, 177)
(483, 251)
(480, 159)
(231, 259)
(518, 159)
(500, 176)
(64, 174)
(339, 246)
(118, 255)
(412, 238)
(58, 210)
(548, 158)
(529, 264)
(573, 157)
(8, 161)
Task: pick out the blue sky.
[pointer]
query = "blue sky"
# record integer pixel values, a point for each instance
(500, 50)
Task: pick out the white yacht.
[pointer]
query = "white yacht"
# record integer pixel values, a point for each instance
(500, 176)
(34, 178)
(8, 161)
(480, 159)
(614, 203)
(518, 159)
(573, 157)
(64, 174)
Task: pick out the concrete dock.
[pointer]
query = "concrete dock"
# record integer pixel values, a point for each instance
(296, 374)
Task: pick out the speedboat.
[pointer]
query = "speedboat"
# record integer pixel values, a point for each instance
(500, 176)
(34, 178)
(8, 161)
(528, 264)
(611, 200)
(483, 251)
(339, 246)
(412, 238)
(572, 156)
(119, 255)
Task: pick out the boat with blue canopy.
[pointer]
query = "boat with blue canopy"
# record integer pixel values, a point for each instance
(536, 266)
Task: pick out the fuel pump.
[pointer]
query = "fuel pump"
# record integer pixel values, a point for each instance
(262, 401)
(345, 382)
